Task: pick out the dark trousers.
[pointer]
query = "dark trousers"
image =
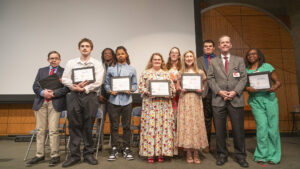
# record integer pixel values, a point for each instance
(82, 109)
(114, 112)
(208, 114)
(237, 121)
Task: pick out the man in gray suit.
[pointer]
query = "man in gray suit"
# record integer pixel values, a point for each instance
(227, 79)
(203, 63)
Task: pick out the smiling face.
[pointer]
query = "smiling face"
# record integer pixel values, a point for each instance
(54, 59)
(225, 44)
(156, 62)
(107, 55)
(189, 59)
(252, 56)
(174, 54)
(121, 56)
(85, 49)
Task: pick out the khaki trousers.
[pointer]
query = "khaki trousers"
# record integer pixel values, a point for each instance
(43, 115)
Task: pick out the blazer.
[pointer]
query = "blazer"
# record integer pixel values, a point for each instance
(235, 80)
(59, 101)
(201, 65)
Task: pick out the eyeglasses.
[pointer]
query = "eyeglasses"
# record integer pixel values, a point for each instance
(54, 58)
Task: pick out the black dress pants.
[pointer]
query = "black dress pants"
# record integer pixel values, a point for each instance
(208, 114)
(82, 109)
(237, 121)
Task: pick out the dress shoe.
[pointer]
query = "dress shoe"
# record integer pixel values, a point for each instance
(242, 163)
(221, 161)
(35, 160)
(70, 162)
(90, 159)
(54, 161)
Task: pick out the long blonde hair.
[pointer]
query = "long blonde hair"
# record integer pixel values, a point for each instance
(162, 66)
(184, 66)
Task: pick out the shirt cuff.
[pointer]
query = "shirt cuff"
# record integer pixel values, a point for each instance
(86, 90)
(42, 93)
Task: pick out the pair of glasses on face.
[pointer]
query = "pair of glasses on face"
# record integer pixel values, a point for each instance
(54, 58)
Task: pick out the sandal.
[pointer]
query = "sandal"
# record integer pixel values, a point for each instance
(189, 158)
(196, 158)
(161, 159)
(150, 160)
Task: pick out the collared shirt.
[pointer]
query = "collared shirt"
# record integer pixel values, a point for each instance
(77, 63)
(121, 99)
(50, 68)
(223, 60)
(206, 59)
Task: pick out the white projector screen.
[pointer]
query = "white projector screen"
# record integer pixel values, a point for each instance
(32, 28)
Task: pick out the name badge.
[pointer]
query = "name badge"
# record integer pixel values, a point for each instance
(236, 74)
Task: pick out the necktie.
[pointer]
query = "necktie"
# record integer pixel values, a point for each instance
(51, 73)
(208, 59)
(226, 64)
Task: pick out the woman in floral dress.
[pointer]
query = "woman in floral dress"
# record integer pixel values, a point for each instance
(191, 131)
(157, 120)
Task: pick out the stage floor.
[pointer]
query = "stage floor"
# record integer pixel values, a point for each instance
(12, 155)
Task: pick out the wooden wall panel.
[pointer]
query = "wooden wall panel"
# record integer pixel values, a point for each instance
(250, 28)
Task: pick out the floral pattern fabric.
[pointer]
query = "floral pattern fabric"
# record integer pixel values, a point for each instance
(157, 119)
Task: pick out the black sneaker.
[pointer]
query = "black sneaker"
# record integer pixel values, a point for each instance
(54, 161)
(35, 160)
(127, 154)
(113, 155)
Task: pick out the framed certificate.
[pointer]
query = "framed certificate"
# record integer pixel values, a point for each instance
(120, 84)
(159, 88)
(260, 81)
(82, 74)
(191, 82)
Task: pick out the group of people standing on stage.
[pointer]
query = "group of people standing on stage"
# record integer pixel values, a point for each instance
(169, 124)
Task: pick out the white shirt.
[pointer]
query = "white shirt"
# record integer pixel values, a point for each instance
(223, 60)
(77, 63)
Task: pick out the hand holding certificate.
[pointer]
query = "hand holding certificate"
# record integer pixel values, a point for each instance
(159, 88)
(120, 84)
(260, 81)
(191, 82)
(83, 74)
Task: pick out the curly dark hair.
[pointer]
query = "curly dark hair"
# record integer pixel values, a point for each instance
(113, 55)
(261, 57)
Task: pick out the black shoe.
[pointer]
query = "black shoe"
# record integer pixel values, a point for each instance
(127, 154)
(70, 162)
(54, 161)
(113, 154)
(90, 159)
(221, 161)
(35, 160)
(242, 163)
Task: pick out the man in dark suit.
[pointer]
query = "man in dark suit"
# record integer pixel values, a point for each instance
(203, 63)
(48, 105)
(227, 79)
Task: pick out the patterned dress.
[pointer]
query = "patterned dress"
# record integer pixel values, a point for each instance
(174, 77)
(191, 130)
(157, 120)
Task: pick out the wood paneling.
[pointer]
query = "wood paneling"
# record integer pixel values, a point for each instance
(250, 28)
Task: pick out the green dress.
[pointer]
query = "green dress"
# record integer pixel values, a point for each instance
(265, 109)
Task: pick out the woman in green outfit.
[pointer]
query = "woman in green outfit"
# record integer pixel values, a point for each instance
(264, 105)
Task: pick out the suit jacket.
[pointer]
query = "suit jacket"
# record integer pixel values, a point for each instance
(201, 65)
(59, 101)
(219, 80)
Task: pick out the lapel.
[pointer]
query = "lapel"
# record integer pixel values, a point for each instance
(231, 64)
(221, 65)
(59, 71)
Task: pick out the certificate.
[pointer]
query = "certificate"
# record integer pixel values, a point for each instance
(120, 84)
(260, 80)
(160, 88)
(82, 74)
(191, 82)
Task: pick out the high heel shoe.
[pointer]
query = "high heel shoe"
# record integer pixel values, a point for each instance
(161, 159)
